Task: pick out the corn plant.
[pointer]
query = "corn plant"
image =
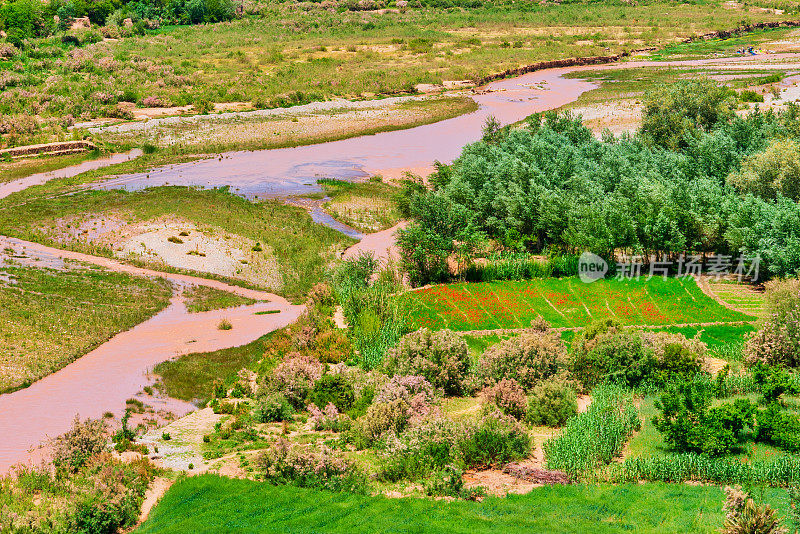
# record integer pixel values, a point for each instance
(596, 436)
(781, 471)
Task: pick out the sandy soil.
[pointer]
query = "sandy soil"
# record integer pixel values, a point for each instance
(205, 249)
(186, 439)
(624, 116)
(154, 492)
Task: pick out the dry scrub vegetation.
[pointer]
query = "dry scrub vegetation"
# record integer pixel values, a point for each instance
(282, 54)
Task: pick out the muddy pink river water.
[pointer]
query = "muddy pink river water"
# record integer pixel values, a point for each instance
(103, 379)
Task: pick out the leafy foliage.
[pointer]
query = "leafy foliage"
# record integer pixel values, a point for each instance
(441, 357)
(690, 424)
(551, 403)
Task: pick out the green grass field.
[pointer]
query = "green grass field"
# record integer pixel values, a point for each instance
(209, 503)
(192, 376)
(49, 318)
(204, 298)
(564, 302)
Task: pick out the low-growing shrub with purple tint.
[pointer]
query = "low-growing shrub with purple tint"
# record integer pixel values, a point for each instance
(295, 377)
(328, 419)
(441, 357)
(403, 401)
(508, 396)
(528, 358)
(283, 463)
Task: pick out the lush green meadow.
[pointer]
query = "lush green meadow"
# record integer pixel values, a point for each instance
(49, 318)
(213, 504)
(564, 302)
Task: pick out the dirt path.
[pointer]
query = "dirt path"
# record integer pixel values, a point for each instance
(154, 492)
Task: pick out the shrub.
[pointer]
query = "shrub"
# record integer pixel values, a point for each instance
(496, 439)
(225, 324)
(203, 106)
(690, 424)
(596, 435)
(528, 358)
(744, 516)
(551, 403)
(272, 408)
(84, 440)
(328, 419)
(449, 482)
(378, 420)
(441, 357)
(429, 446)
(293, 464)
(779, 428)
(778, 340)
(612, 354)
(438, 442)
(402, 401)
(333, 389)
(508, 396)
(295, 377)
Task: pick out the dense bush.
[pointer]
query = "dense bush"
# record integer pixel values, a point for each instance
(441, 357)
(333, 389)
(496, 439)
(779, 428)
(438, 442)
(528, 359)
(328, 419)
(595, 436)
(607, 352)
(295, 377)
(777, 342)
(301, 466)
(551, 403)
(690, 424)
(84, 440)
(615, 354)
(272, 407)
(508, 396)
(402, 401)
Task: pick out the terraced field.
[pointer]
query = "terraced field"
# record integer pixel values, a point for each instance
(564, 302)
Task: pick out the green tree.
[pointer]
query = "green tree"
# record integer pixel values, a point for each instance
(673, 113)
